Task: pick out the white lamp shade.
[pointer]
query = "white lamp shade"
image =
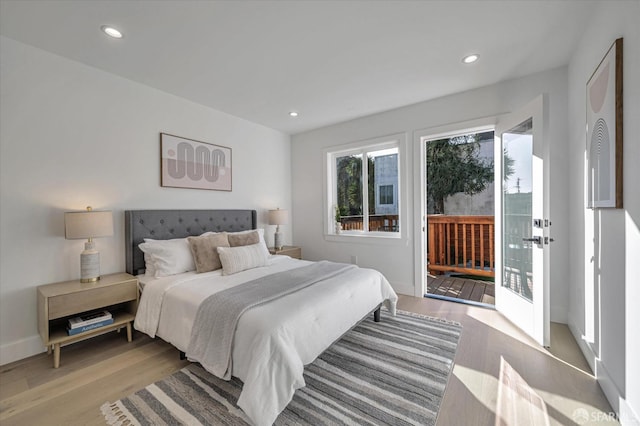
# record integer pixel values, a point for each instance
(88, 224)
(278, 217)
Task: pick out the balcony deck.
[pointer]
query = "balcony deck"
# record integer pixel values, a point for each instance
(461, 288)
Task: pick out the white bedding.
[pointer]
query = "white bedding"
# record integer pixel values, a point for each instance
(273, 341)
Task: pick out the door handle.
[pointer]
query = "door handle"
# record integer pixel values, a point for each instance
(537, 240)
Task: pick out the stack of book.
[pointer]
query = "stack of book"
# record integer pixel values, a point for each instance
(89, 321)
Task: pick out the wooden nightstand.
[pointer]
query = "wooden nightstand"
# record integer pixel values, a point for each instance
(117, 293)
(292, 251)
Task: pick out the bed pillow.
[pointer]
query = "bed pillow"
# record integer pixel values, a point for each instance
(169, 257)
(149, 265)
(237, 239)
(237, 259)
(237, 236)
(205, 251)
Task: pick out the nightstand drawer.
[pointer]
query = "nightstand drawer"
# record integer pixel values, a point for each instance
(74, 303)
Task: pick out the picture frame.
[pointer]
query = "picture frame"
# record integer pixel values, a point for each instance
(187, 163)
(604, 131)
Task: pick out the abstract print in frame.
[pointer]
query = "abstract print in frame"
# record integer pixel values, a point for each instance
(604, 131)
(187, 163)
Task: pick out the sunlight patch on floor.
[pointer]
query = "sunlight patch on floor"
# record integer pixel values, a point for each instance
(479, 384)
(518, 403)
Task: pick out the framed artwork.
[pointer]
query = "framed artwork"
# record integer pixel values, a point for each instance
(186, 163)
(604, 131)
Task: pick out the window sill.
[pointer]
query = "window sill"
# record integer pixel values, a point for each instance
(355, 238)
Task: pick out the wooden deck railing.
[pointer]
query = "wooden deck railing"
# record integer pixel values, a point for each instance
(379, 222)
(461, 244)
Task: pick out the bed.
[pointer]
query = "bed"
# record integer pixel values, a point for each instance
(272, 341)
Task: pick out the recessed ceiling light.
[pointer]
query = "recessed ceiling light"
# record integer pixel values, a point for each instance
(470, 59)
(111, 32)
(293, 114)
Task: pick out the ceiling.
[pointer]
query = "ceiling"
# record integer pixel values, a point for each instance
(331, 61)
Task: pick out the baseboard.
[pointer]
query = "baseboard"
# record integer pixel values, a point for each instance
(20, 349)
(611, 391)
(628, 417)
(584, 346)
(619, 405)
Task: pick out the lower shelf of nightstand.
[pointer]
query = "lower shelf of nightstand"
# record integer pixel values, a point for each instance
(60, 336)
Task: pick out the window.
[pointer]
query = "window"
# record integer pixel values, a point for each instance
(385, 194)
(363, 188)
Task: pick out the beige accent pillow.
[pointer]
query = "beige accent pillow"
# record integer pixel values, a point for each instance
(238, 259)
(243, 239)
(205, 251)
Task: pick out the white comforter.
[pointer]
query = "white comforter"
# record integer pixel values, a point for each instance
(273, 341)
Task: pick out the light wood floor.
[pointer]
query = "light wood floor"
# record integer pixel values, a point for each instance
(108, 368)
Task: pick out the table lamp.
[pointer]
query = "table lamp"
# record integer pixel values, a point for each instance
(88, 224)
(278, 217)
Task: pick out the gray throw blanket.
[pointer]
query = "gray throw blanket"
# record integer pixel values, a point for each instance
(215, 324)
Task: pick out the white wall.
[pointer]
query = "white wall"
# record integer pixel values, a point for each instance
(73, 136)
(397, 261)
(605, 244)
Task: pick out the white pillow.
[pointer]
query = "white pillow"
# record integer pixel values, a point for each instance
(260, 234)
(237, 259)
(149, 265)
(149, 260)
(168, 257)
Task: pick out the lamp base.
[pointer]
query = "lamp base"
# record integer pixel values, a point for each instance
(89, 264)
(277, 240)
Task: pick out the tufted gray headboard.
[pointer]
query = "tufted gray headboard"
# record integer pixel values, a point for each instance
(168, 224)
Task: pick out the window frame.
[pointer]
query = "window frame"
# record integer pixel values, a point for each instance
(365, 147)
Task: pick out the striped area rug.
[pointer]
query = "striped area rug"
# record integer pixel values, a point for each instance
(389, 373)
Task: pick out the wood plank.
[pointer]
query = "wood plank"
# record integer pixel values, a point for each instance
(481, 266)
(443, 287)
(473, 245)
(447, 245)
(432, 243)
(12, 406)
(456, 288)
(147, 364)
(466, 291)
(478, 291)
(464, 244)
(447, 268)
(433, 283)
(441, 245)
(456, 243)
(471, 395)
(490, 289)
